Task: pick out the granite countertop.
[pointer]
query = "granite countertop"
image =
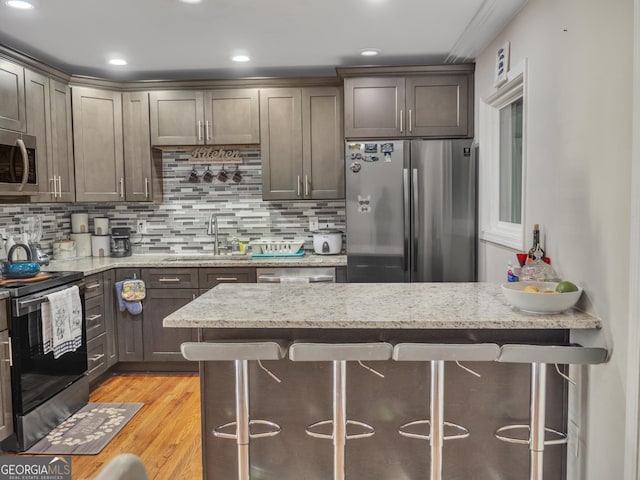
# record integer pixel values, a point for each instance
(366, 305)
(90, 265)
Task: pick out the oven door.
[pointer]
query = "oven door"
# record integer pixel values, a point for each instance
(35, 376)
(18, 171)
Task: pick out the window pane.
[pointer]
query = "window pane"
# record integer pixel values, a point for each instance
(511, 162)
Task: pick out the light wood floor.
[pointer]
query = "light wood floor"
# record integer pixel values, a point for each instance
(165, 433)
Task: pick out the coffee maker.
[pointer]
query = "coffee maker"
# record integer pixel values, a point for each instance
(120, 243)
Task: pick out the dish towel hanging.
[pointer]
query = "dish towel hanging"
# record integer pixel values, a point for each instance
(129, 294)
(62, 322)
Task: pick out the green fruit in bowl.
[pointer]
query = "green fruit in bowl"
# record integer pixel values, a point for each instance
(566, 287)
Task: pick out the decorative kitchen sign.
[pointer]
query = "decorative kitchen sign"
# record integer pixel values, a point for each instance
(502, 65)
(214, 155)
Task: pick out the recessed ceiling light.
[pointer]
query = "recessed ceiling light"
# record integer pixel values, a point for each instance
(21, 4)
(240, 58)
(370, 52)
(190, 1)
(118, 62)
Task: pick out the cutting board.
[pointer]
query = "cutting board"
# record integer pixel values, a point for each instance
(38, 277)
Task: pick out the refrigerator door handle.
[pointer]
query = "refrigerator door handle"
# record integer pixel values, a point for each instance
(406, 214)
(415, 219)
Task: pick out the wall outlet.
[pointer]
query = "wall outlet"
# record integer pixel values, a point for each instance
(141, 227)
(313, 223)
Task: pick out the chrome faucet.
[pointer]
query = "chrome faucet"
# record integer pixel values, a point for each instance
(212, 229)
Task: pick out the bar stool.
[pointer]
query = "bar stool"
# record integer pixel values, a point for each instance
(437, 354)
(240, 352)
(539, 356)
(340, 354)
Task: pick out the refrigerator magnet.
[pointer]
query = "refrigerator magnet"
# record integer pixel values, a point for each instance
(387, 157)
(355, 146)
(370, 158)
(370, 148)
(364, 204)
(386, 147)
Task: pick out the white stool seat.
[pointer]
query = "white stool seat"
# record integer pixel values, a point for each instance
(437, 354)
(539, 356)
(339, 354)
(240, 352)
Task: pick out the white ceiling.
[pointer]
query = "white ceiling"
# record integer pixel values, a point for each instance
(165, 39)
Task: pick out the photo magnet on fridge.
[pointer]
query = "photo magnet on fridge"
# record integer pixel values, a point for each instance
(364, 204)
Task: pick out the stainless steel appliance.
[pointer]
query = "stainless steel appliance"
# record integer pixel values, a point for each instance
(411, 210)
(45, 390)
(120, 242)
(18, 175)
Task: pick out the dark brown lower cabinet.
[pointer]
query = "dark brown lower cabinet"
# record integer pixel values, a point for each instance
(159, 343)
(6, 410)
(129, 326)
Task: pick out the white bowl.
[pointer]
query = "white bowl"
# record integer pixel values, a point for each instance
(534, 302)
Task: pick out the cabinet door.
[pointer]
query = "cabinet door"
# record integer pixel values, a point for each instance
(374, 107)
(6, 410)
(137, 147)
(232, 116)
(12, 104)
(129, 327)
(163, 344)
(62, 165)
(177, 117)
(322, 140)
(438, 106)
(110, 317)
(39, 124)
(97, 141)
(281, 143)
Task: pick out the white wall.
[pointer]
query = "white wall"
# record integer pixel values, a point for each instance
(578, 182)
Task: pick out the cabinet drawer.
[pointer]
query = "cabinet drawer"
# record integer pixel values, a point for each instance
(94, 287)
(94, 314)
(97, 356)
(210, 277)
(170, 277)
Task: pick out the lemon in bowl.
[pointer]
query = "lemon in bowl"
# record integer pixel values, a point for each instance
(542, 297)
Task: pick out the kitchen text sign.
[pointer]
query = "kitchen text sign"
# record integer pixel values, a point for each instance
(214, 155)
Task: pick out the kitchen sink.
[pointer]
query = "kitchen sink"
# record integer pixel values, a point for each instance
(206, 257)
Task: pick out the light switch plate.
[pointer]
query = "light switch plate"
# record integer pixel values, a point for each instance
(313, 223)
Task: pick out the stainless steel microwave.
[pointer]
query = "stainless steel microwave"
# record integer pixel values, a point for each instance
(18, 165)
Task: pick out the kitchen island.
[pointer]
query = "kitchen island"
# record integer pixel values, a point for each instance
(420, 312)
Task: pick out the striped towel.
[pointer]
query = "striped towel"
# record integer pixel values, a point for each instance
(62, 322)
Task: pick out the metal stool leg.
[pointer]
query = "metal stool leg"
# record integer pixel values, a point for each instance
(537, 419)
(242, 417)
(339, 417)
(437, 418)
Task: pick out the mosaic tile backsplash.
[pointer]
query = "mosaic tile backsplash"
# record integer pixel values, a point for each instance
(179, 223)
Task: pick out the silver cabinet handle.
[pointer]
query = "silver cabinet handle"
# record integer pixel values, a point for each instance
(410, 122)
(10, 359)
(199, 129)
(306, 186)
(208, 133)
(96, 357)
(55, 190)
(25, 163)
(169, 280)
(93, 285)
(401, 117)
(121, 187)
(59, 186)
(194, 296)
(91, 318)
(299, 185)
(226, 279)
(146, 187)
(311, 279)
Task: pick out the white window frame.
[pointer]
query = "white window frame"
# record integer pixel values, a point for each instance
(491, 228)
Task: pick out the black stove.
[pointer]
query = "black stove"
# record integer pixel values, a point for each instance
(20, 288)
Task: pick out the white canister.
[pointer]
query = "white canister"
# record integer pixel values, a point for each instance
(80, 223)
(101, 245)
(63, 249)
(101, 225)
(83, 244)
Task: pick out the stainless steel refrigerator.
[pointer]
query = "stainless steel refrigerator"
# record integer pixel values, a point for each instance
(411, 211)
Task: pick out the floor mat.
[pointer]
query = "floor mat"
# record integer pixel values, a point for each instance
(88, 430)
